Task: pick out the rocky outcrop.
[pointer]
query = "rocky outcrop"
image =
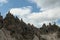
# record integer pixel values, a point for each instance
(13, 28)
(5, 35)
(35, 37)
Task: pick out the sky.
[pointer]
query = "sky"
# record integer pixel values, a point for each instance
(34, 12)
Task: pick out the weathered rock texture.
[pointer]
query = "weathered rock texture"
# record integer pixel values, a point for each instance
(13, 28)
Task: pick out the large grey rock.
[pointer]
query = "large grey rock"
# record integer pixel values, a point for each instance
(4, 35)
(35, 38)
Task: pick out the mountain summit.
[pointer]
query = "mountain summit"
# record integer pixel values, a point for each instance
(13, 28)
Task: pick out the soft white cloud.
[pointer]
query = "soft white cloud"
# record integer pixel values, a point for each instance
(37, 19)
(47, 16)
(21, 11)
(50, 12)
(3, 2)
(46, 4)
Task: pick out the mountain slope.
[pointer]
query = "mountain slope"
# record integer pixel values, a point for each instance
(13, 28)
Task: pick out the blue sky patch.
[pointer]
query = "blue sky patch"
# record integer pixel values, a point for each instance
(17, 4)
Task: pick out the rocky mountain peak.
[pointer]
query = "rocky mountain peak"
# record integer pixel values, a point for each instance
(13, 28)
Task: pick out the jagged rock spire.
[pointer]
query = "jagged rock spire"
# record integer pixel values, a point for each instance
(49, 25)
(1, 16)
(9, 15)
(9, 12)
(1, 21)
(44, 25)
(54, 23)
(17, 18)
(21, 20)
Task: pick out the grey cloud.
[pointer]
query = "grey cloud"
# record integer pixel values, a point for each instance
(47, 3)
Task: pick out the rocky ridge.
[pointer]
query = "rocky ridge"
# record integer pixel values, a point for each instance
(13, 28)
